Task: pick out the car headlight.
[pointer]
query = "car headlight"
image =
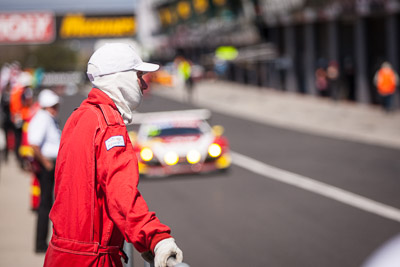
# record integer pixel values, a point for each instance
(146, 154)
(214, 150)
(193, 156)
(171, 158)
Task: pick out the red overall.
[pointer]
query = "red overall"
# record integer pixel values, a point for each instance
(97, 203)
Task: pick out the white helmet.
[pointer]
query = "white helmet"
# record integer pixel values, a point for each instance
(25, 79)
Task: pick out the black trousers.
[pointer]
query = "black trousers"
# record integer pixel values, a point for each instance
(46, 179)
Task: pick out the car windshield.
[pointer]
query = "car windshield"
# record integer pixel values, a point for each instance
(173, 131)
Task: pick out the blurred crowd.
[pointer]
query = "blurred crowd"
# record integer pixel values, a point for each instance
(385, 80)
(30, 130)
(17, 109)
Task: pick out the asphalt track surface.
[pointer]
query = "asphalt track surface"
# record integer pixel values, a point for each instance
(242, 218)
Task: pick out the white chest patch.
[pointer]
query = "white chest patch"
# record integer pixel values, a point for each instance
(113, 141)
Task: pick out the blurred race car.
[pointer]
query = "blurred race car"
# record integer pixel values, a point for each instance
(178, 142)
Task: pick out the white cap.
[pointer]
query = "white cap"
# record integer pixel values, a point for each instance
(48, 98)
(117, 57)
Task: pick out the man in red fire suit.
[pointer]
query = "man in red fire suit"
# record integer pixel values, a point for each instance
(97, 204)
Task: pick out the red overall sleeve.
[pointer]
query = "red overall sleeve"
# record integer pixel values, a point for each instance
(117, 172)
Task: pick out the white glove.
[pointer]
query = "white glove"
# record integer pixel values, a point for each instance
(164, 249)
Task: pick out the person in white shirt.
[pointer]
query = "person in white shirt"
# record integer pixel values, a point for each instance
(44, 137)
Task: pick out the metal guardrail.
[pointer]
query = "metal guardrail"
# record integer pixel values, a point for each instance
(171, 262)
(128, 248)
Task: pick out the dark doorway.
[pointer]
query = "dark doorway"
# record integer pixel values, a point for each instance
(321, 44)
(299, 60)
(347, 60)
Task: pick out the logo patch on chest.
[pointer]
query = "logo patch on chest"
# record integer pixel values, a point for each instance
(113, 141)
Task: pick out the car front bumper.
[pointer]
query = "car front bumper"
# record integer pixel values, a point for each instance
(220, 163)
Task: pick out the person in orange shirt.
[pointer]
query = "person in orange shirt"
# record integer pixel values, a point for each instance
(386, 81)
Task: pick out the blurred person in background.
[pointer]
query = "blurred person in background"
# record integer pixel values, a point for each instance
(321, 82)
(333, 75)
(25, 151)
(44, 137)
(184, 68)
(386, 81)
(6, 123)
(21, 100)
(97, 202)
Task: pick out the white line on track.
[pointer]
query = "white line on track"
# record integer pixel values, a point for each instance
(317, 187)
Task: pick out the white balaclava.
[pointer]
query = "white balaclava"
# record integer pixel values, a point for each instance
(123, 89)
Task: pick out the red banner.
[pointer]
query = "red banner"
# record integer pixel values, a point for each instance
(27, 28)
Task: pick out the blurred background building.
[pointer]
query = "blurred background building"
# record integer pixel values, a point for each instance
(281, 43)
(273, 43)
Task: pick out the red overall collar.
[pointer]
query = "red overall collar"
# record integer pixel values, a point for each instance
(96, 96)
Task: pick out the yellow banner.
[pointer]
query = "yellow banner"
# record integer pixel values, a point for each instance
(79, 26)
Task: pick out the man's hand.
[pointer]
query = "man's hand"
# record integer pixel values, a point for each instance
(46, 163)
(164, 249)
